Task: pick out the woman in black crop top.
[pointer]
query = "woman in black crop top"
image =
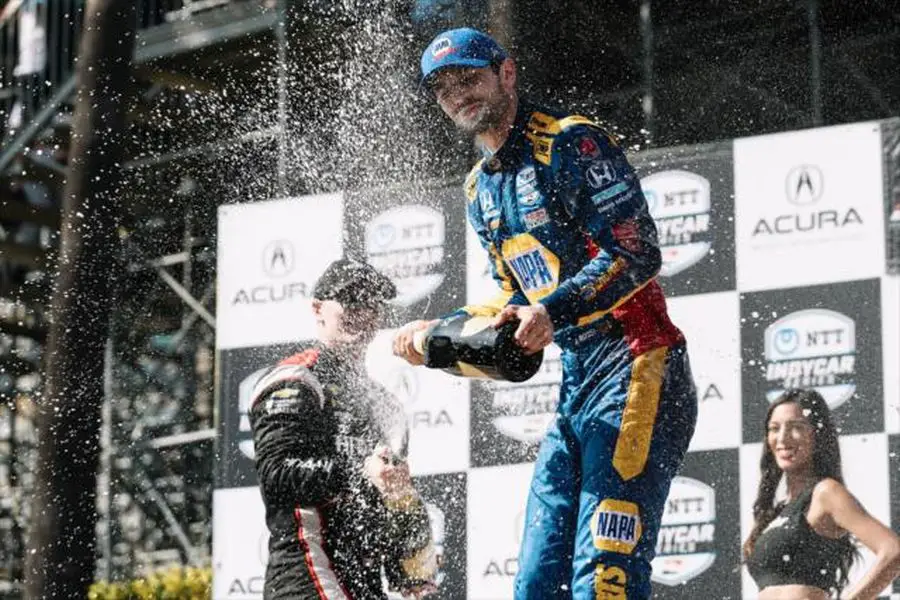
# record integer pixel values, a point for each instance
(802, 549)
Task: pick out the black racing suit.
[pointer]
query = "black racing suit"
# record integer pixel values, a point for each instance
(315, 418)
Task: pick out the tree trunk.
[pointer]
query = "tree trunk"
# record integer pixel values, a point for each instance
(61, 555)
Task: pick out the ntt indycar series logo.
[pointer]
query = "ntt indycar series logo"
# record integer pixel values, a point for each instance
(685, 546)
(407, 244)
(523, 411)
(812, 348)
(680, 204)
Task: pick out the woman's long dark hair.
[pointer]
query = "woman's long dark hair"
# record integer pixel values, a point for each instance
(826, 462)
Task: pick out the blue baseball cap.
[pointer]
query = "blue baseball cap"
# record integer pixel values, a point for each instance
(464, 47)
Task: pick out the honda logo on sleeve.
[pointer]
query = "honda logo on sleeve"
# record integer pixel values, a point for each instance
(600, 173)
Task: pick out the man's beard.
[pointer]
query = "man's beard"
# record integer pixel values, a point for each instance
(488, 116)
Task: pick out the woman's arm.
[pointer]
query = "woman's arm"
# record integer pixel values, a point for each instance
(848, 514)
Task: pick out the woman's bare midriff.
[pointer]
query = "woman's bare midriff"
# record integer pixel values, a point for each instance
(793, 592)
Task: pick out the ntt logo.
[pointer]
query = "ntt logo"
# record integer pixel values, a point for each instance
(679, 202)
(812, 348)
(686, 544)
(406, 243)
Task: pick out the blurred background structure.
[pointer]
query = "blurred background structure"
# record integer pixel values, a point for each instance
(236, 100)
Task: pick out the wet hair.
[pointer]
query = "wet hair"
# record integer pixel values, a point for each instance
(825, 463)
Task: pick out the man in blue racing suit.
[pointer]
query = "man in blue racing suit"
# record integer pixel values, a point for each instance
(574, 250)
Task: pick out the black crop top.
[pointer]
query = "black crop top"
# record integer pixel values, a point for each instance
(790, 552)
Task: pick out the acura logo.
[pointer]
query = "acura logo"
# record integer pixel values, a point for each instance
(804, 185)
(278, 258)
(404, 385)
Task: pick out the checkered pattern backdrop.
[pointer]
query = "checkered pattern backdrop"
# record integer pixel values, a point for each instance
(774, 264)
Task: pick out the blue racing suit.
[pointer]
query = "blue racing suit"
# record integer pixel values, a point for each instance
(563, 218)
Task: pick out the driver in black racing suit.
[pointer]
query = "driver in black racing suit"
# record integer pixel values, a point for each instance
(330, 453)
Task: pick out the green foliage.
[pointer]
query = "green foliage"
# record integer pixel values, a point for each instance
(176, 583)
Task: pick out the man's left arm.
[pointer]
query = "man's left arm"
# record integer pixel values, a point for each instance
(599, 190)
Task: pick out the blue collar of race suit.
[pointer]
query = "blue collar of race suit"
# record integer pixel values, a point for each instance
(509, 155)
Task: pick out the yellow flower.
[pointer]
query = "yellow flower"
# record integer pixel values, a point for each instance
(174, 583)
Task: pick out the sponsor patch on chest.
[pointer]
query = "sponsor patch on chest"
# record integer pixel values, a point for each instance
(526, 176)
(535, 267)
(532, 270)
(536, 218)
(588, 148)
(527, 192)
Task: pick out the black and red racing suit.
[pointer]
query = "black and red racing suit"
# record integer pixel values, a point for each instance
(315, 418)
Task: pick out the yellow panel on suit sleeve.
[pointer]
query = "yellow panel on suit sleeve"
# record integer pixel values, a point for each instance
(534, 266)
(471, 184)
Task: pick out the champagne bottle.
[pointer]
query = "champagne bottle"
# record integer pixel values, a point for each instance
(469, 346)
